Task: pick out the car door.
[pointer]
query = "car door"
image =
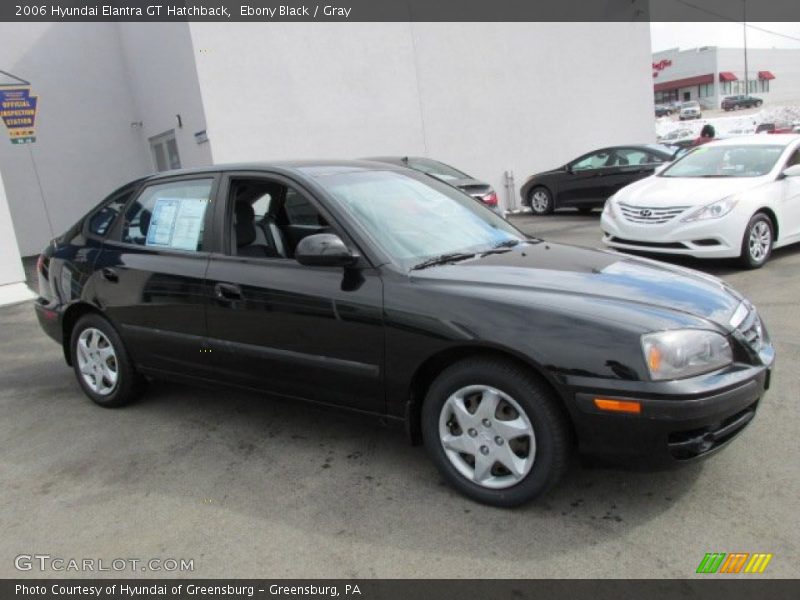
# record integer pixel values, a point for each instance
(275, 325)
(632, 164)
(150, 274)
(587, 178)
(789, 214)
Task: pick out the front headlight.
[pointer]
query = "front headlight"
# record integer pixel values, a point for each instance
(608, 208)
(682, 353)
(715, 210)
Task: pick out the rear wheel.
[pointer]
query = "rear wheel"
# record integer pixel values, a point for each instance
(495, 432)
(101, 363)
(540, 200)
(757, 241)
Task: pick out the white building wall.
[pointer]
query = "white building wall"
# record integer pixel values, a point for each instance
(10, 264)
(484, 97)
(159, 61)
(85, 146)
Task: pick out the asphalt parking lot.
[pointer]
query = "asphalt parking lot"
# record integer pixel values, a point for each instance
(247, 486)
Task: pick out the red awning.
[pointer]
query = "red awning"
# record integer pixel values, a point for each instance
(727, 76)
(687, 82)
(765, 75)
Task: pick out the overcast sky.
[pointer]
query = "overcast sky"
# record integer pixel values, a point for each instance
(726, 35)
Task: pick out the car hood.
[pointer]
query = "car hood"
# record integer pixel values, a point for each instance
(658, 192)
(601, 277)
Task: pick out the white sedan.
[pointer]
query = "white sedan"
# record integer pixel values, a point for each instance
(738, 197)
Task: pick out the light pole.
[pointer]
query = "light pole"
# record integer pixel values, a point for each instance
(744, 29)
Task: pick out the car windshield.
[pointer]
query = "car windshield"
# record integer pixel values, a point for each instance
(414, 218)
(436, 169)
(725, 161)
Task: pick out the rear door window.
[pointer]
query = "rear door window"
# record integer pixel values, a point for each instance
(169, 215)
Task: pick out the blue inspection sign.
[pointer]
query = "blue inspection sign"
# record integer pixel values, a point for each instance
(18, 111)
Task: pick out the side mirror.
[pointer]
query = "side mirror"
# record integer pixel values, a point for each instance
(324, 250)
(793, 171)
(568, 168)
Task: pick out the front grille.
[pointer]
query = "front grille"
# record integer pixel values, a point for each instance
(648, 215)
(671, 245)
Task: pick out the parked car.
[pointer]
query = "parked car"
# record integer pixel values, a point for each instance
(690, 110)
(663, 111)
(386, 292)
(738, 197)
(682, 133)
(586, 182)
(477, 189)
(775, 127)
(742, 101)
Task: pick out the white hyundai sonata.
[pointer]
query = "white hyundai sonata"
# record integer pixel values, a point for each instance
(738, 197)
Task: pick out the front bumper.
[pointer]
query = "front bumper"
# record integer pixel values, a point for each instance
(712, 238)
(670, 430)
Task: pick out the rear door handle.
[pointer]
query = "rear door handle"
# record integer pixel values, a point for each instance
(109, 274)
(228, 291)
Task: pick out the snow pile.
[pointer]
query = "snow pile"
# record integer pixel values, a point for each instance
(728, 125)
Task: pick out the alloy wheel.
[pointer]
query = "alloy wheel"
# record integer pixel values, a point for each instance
(97, 361)
(759, 241)
(487, 436)
(540, 201)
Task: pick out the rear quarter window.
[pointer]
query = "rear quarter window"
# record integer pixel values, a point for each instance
(101, 220)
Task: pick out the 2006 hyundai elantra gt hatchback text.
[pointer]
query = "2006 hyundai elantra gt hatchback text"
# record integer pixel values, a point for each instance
(380, 290)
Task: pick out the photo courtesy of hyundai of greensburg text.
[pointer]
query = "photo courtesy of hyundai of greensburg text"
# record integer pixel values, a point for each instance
(390, 299)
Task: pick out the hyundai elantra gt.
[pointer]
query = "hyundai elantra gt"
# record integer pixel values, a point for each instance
(735, 198)
(383, 291)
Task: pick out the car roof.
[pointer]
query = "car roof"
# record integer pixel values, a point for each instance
(309, 168)
(781, 139)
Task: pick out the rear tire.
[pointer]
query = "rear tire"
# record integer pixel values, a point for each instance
(757, 242)
(540, 200)
(522, 426)
(101, 363)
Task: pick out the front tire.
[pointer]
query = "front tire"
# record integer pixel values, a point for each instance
(540, 200)
(759, 236)
(101, 363)
(495, 432)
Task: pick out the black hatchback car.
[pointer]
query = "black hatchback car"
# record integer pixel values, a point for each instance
(386, 292)
(588, 181)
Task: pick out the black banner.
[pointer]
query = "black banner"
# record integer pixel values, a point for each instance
(399, 10)
(738, 588)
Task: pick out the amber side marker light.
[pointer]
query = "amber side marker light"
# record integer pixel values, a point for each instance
(623, 406)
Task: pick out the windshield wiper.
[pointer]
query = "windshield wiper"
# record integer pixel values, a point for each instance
(510, 243)
(443, 259)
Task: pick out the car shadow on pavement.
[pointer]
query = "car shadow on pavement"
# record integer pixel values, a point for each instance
(330, 473)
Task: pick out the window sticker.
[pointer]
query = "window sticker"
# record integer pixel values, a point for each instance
(177, 223)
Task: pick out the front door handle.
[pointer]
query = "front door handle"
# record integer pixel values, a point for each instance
(109, 275)
(228, 291)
